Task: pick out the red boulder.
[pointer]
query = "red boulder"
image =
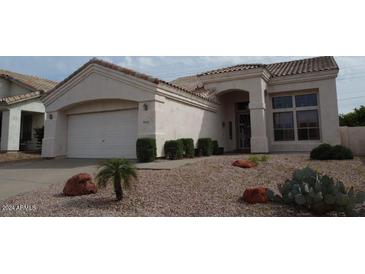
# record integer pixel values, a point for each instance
(80, 184)
(244, 163)
(256, 195)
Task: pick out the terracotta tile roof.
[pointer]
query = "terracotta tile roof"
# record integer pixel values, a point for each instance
(309, 65)
(36, 86)
(31, 82)
(128, 72)
(19, 98)
(315, 64)
(232, 69)
(189, 82)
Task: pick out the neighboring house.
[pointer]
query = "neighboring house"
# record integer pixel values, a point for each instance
(101, 109)
(21, 109)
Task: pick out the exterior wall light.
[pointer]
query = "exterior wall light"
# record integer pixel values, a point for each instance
(145, 107)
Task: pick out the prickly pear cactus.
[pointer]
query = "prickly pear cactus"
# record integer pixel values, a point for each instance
(318, 193)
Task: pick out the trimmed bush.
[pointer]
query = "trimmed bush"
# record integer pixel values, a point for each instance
(220, 151)
(198, 152)
(146, 150)
(217, 150)
(215, 147)
(188, 147)
(328, 152)
(174, 149)
(341, 153)
(322, 152)
(206, 146)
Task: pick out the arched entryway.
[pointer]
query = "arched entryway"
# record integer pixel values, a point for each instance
(236, 113)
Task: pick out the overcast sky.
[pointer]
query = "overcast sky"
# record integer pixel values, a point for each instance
(350, 83)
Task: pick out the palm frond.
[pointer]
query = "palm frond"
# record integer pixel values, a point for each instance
(110, 168)
(104, 175)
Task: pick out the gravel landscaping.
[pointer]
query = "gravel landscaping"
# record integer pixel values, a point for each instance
(210, 187)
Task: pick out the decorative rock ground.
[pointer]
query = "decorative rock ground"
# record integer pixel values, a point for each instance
(244, 164)
(256, 195)
(209, 187)
(80, 184)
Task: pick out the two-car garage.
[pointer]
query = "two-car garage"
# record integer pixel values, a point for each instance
(102, 134)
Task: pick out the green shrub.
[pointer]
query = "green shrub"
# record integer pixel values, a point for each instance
(328, 152)
(257, 159)
(220, 151)
(188, 147)
(215, 147)
(341, 153)
(198, 152)
(174, 149)
(322, 152)
(206, 146)
(320, 194)
(146, 149)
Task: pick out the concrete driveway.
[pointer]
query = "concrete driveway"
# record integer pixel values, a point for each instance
(21, 177)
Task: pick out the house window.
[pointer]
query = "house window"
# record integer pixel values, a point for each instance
(306, 100)
(283, 126)
(282, 102)
(299, 122)
(230, 130)
(308, 125)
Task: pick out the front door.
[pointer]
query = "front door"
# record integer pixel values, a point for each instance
(244, 130)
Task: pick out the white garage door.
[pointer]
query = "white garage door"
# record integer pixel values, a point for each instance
(102, 134)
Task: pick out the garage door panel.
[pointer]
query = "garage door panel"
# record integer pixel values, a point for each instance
(102, 134)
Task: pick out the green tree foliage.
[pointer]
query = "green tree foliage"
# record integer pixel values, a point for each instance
(355, 118)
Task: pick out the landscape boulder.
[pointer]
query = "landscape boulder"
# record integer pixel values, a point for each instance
(80, 184)
(256, 195)
(244, 164)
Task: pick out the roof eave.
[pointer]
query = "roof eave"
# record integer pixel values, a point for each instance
(305, 77)
(261, 72)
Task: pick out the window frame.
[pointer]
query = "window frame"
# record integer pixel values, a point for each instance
(293, 128)
(294, 110)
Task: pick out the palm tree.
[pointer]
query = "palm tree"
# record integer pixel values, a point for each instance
(120, 171)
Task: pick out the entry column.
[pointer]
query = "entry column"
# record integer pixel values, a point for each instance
(10, 132)
(259, 140)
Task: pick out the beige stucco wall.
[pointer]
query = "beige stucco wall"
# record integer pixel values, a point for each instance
(100, 105)
(354, 138)
(176, 120)
(161, 114)
(8, 88)
(165, 113)
(328, 113)
(4, 88)
(92, 90)
(256, 87)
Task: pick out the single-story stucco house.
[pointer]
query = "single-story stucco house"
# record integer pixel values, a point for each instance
(101, 109)
(21, 109)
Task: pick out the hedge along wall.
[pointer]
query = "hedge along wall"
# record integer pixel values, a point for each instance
(354, 139)
(177, 120)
